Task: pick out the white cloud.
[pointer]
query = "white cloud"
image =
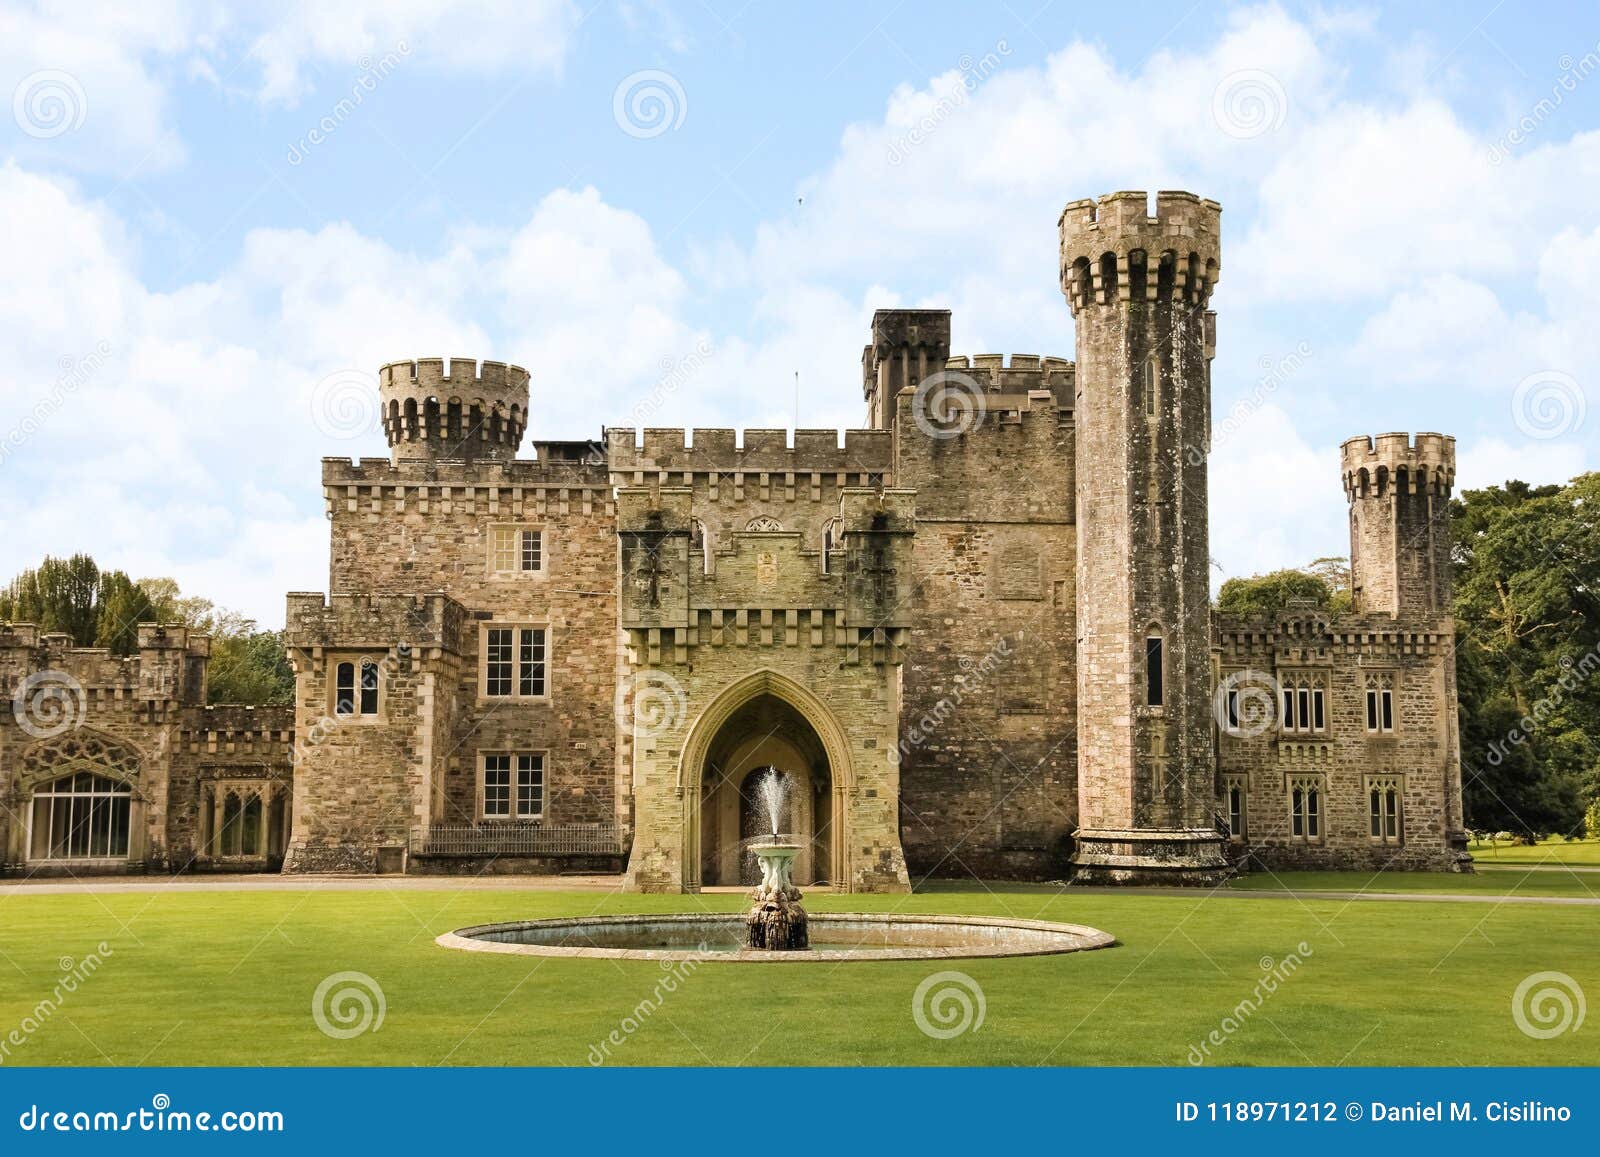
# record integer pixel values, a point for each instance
(462, 36)
(101, 74)
(1495, 461)
(1276, 501)
(1371, 227)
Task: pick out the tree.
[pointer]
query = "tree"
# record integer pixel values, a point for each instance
(250, 667)
(1269, 594)
(104, 609)
(1334, 570)
(120, 607)
(60, 595)
(1527, 572)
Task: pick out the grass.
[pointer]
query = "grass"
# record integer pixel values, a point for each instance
(228, 977)
(1552, 851)
(1515, 880)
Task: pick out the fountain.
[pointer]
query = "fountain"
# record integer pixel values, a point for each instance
(777, 922)
(776, 927)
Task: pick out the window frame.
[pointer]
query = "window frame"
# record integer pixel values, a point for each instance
(518, 550)
(1237, 809)
(1308, 810)
(521, 668)
(367, 697)
(1378, 706)
(119, 795)
(1155, 670)
(223, 830)
(1386, 810)
(1303, 705)
(534, 764)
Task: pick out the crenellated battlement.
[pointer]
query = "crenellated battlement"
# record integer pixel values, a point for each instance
(419, 623)
(417, 472)
(1113, 250)
(456, 409)
(167, 668)
(455, 377)
(723, 451)
(1018, 373)
(1425, 463)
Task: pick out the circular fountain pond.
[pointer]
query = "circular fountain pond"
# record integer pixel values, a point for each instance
(834, 937)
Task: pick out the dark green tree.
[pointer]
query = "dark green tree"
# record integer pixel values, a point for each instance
(250, 667)
(1268, 594)
(121, 606)
(61, 595)
(1528, 654)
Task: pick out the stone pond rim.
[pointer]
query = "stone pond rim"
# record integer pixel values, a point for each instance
(879, 936)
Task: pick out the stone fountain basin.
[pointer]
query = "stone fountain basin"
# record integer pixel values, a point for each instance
(836, 937)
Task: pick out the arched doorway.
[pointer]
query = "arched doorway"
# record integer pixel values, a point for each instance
(764, 721)
(766, 734)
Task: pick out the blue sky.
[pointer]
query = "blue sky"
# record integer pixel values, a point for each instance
(223, 218)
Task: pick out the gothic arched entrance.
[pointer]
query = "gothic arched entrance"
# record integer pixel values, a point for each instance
(764, 722)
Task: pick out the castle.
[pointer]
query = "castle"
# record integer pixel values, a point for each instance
(976, 634)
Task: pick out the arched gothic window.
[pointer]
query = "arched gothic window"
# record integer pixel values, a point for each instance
(81, 816)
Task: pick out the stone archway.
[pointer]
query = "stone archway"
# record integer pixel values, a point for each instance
(78, 801)
(764, 735)
(765, 719)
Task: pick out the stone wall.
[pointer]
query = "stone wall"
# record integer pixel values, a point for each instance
(363, 784)
(988, 736)
(124, 717)
(1341, 653)
(762, 622)
(225, 748)
(426, 526)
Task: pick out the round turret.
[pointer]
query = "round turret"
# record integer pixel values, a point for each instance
(1399, 492)
(1372, 465)
(1139, 286)
(1114, 251)
(464, 410)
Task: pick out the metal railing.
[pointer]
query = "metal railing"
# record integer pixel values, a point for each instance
(517, 840)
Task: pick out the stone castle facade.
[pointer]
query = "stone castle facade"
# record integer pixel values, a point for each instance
(977, 636)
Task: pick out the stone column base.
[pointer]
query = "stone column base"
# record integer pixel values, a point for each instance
(1170, 856)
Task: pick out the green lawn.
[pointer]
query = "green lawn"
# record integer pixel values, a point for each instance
(1512, 880)
(228, 977)
(1551, 851)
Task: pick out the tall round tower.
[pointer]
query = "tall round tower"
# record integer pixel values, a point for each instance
(465, 410)
(1139, 286)
(1399, 492)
